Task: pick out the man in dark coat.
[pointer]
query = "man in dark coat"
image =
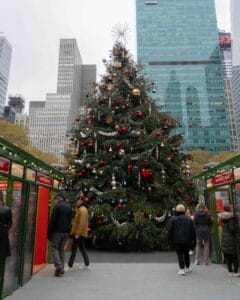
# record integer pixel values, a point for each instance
(181, 233)
(5, 224)
(58, 232)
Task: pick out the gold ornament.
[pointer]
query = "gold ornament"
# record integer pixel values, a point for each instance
(136, 92)
(109, 119)
(109, 87)
(121, 152)
(138, 133)
(117, 64)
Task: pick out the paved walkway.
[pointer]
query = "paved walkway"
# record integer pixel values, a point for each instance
(131, 276)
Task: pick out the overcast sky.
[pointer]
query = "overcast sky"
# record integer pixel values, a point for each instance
(34, 27)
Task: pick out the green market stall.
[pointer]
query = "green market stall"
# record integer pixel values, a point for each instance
(27, 186)
(219, 186)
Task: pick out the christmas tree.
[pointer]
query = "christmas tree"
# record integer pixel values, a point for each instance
(128, 166)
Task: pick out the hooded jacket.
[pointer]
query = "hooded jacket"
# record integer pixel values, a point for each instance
(203, 225)
(181, 230)
(228, 242)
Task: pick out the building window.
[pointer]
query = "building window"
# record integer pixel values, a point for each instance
(151, 2)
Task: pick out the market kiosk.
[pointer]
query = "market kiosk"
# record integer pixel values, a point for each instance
(27, 185)
(219, 186)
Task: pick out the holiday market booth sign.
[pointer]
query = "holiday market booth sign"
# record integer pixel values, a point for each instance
(4, 165)
(223, 178)
(45, 180)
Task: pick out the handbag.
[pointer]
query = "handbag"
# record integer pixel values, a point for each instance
(68, 245)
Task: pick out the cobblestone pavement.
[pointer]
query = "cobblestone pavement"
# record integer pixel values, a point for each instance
(131, 276)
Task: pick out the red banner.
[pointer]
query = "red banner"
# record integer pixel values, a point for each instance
(45, 180)
(4, 165)
(222, 178)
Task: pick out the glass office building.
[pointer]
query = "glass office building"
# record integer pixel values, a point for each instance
(177, 43)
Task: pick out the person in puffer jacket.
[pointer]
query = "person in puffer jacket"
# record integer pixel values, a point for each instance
(181, 233)
(228, 240)
(203, 225)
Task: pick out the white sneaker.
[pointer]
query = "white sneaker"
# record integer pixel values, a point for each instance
(181, 272)
(188, 270)
(236, 274)
(85, 268)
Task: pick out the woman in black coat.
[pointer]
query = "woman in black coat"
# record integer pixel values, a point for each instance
(203, 225)
(181, 233)
(228, 240)
(5, 224)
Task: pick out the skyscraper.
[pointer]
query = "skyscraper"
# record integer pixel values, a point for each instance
(235, 28)
(226, 59)
(5, 60)
(51, 120)
(177, 43)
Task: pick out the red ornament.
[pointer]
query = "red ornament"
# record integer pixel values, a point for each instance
(86, 200)
(82, 173)
(99, 220)
(146, 173)
(90, 121)
(91, 143)
(101, 162)
(158, 133)
(110, 78)
(122, 130)
(181, 191)
(117, 102)
(90, 230)
(129, 167)
(145, 160)
(188, 201)
(101, 100)
(127, 105)
(117, 146)
(139, 114)
(120, 205)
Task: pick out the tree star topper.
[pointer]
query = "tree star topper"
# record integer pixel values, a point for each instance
(120, 32)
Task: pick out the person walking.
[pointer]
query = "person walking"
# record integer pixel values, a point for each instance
(181, 233)
(79, 233)
(228, 240)
(203, 225)
(59, 228)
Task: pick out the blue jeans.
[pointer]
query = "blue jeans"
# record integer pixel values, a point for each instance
(58, 241)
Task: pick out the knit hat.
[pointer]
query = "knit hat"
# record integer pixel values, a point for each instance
(60, 197)
(180, 208)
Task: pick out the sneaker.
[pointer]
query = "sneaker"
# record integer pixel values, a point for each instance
(236, 274)
(230, 274)
(197, 263)
(57, 273)
(181, 272)
(85, 268)
(188, 270)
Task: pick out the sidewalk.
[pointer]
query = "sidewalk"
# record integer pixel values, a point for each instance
(131, 276)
